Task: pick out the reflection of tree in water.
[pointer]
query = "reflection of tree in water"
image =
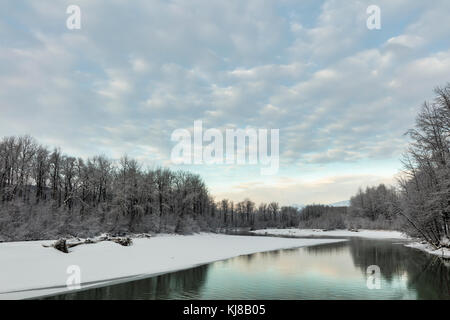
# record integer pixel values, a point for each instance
(248, 257)
(427, 274)
(392, 259)
(181, 284)
(327, 249)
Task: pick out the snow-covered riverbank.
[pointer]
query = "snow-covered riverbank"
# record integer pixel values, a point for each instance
(368, 234)
(445, 253)
(29, 270)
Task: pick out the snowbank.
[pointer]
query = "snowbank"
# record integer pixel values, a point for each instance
(369, 234)
(444, 252)
(27, 269)
(372, 234)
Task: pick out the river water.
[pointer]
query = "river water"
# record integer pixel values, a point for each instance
(331, 271)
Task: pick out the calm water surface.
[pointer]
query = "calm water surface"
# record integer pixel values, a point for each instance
(332, 271)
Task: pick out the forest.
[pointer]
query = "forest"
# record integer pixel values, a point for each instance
(46, 194)
(420, 203)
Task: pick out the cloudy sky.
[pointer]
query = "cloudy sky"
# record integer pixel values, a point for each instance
(341, 95)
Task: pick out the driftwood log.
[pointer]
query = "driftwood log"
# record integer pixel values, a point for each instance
(63, 245)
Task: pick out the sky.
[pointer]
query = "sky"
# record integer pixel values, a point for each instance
(341, 95)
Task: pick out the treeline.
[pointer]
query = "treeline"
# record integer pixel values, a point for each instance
(45, 194)
(323, 217)
(425, 188)
(375, 208)
(364, 212)
(421, 204)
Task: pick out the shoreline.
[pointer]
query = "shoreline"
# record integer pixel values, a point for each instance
(424, 247)
(363, 233)
(32, 271)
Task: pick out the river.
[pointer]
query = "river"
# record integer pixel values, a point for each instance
(331, 271)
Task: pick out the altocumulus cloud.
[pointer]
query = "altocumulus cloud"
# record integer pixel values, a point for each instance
(341, 95)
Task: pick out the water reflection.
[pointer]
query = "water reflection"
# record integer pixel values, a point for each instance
(428, 275)
(332, 271)
(332, 248)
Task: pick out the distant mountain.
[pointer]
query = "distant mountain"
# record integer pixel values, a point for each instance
(344, 203)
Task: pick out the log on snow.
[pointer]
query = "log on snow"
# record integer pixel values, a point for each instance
(63, 246)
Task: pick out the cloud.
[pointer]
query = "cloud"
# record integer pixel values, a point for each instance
(291, 191)
(338, 92)
(408, 41)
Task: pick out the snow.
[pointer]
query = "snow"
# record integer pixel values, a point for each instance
(371, 234)
(444, 252)
(345, 203)
(30, 270)
(368, 234)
